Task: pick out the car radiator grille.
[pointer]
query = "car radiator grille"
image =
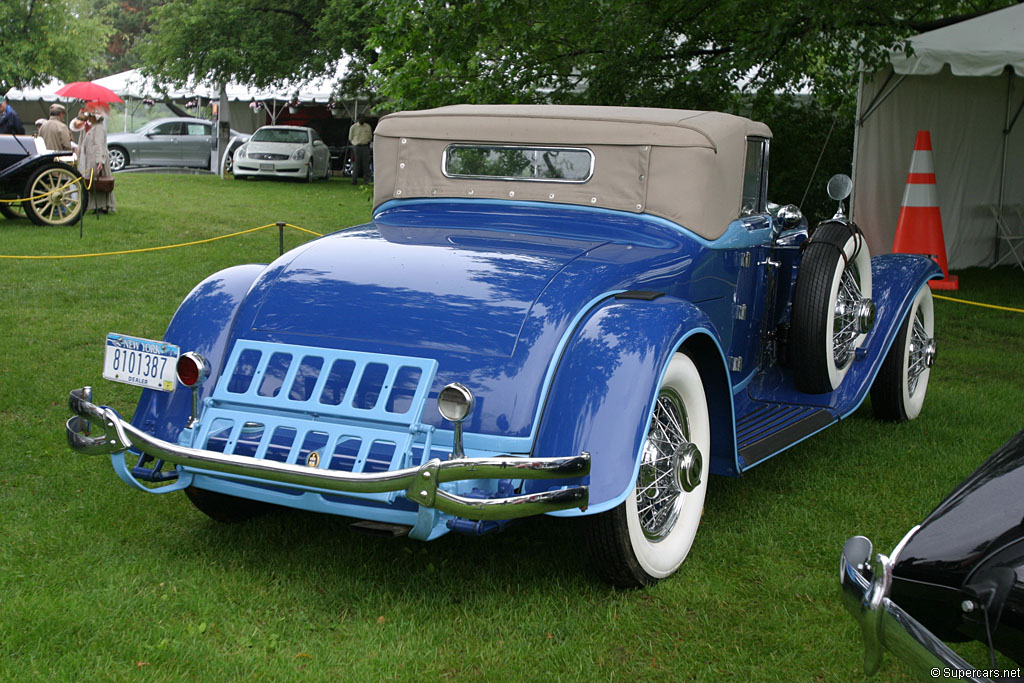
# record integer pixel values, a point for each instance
(267, 157)
(358, 412)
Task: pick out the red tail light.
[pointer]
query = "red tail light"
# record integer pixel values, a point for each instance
(192, 369)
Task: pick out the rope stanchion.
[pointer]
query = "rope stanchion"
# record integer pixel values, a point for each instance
(166, 246)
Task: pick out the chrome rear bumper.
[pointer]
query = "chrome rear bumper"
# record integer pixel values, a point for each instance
(419, 484)
(884, 624)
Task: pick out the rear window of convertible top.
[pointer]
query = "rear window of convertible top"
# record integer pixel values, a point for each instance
(508, 162)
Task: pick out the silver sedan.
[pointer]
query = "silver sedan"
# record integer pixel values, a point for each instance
(176, 141)
(283, 152)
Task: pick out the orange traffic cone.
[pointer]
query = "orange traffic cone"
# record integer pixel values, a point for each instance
(919, 229)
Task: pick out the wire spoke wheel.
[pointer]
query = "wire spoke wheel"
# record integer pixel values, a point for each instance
(647, 536)
(845, 322)
(54, 195)
(899, 389)
(921, 353)
(658, 487)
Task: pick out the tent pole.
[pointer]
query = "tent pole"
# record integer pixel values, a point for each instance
(856, 138)
(1002, 170)
(881, 97)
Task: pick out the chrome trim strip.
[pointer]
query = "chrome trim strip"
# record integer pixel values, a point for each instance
(884, 624)
(420, 484)
(894, 556)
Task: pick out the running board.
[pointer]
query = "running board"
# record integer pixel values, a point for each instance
(773, 427)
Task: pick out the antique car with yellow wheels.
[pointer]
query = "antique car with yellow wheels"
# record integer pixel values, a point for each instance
(36, 183)
(554, 310)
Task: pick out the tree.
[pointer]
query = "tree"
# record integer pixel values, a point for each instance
(130, 21)
(681, 53)
(44, 40)
(678, 53)
(257, 42)
(742, 56)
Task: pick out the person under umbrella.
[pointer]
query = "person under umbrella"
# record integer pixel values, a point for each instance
(93, 159)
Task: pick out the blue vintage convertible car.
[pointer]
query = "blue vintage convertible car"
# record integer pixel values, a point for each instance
(572, 311)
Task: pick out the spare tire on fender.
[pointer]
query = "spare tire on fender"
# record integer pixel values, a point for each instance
(832, 307)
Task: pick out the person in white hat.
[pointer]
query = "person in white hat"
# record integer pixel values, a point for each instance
(93, 158)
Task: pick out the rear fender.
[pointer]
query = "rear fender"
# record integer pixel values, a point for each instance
(603, 391)
(202, 324)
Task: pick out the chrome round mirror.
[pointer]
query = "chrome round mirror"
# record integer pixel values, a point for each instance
(840, 186)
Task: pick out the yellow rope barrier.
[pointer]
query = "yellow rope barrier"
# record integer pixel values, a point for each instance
(47, 194)
(311, 232)
(975, 303)
(160, 248)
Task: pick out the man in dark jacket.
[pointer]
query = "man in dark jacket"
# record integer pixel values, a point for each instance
(9, 120)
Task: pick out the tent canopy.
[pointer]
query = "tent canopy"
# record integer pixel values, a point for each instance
(133, 84)
(965, 84)
(983, 46)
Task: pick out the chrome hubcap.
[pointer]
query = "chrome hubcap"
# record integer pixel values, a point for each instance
(854, 315)
(921, 355)
(670, 467)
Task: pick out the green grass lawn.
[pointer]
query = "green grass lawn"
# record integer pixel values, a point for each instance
(101, 582)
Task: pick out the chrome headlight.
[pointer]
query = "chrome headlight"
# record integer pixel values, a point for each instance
(300, 154)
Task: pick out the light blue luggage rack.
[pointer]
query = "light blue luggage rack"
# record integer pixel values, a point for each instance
(359, 412)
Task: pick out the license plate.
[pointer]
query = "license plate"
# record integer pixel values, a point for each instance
(142, 362)
(266, 167)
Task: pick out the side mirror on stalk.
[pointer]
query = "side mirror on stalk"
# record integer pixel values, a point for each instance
(839, 188)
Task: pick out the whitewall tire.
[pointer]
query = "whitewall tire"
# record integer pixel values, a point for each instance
(832, 307)
(647, 537)
(898, 391)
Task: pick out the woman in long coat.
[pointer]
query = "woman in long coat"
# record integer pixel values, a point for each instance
(93, 159)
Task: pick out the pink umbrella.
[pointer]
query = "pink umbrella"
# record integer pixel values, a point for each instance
(87, 90)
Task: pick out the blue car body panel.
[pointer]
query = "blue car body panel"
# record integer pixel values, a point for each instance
(488, 295)
(202, 323)
(561, 321)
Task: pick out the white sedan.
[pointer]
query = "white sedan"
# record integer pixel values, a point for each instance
(285, 152)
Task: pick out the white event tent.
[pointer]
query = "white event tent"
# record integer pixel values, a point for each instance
(965, 84)
(134, 87)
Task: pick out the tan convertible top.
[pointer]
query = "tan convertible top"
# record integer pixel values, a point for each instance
(685, 166)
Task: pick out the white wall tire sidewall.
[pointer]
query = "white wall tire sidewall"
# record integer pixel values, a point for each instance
(912, 404)
(661, 559)
(856, 252)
